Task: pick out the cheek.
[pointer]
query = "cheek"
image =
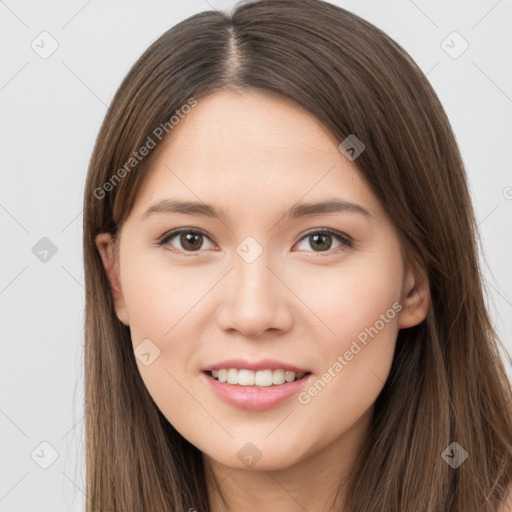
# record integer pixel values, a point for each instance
(163, 302)
(360, 305)
(352, 297)
(159, 296)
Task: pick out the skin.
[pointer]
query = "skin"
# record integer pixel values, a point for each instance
(255, 155)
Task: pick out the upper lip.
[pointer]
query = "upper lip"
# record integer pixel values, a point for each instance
(262, 364)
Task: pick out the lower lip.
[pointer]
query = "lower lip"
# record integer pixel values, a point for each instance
(255, 398)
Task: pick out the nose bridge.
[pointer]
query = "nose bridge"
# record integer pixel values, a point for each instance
(256, 300)
(254, 282)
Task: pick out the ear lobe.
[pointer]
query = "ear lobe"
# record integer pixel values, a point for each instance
(416, 298)
(105, 246)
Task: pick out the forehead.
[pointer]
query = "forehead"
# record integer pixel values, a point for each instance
(251, 150)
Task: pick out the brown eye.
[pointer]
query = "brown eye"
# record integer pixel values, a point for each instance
(188, 240)
(322, 241)
(191, 241)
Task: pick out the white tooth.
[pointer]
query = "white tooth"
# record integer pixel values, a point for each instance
(246, 378)
(263, 378)
(278, 377)
(289, 376)
(232, 376)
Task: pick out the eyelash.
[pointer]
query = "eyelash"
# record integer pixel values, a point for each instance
(346, 241)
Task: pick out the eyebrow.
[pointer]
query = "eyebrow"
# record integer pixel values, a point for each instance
(299, 210)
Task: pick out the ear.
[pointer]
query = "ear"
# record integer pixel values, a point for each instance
(105, 245)
(415, 297)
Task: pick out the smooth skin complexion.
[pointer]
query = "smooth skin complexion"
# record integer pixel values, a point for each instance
(254, 156)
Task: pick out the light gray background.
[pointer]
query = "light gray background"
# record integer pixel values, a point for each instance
(51, 111)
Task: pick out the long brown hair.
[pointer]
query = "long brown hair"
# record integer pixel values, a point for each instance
(447, 382)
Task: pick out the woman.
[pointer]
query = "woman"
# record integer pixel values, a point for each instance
(284, 307)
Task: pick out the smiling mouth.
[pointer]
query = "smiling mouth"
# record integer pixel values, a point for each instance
(260, 378)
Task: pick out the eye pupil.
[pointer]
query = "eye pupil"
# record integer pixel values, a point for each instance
(323, 246)
(187, 238)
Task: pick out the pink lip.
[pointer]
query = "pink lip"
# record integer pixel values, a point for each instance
(253, 397)
(262, 364)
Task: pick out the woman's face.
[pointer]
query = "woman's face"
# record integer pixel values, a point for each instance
(259, 285)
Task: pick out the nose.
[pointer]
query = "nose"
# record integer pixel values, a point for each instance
(256, 298)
